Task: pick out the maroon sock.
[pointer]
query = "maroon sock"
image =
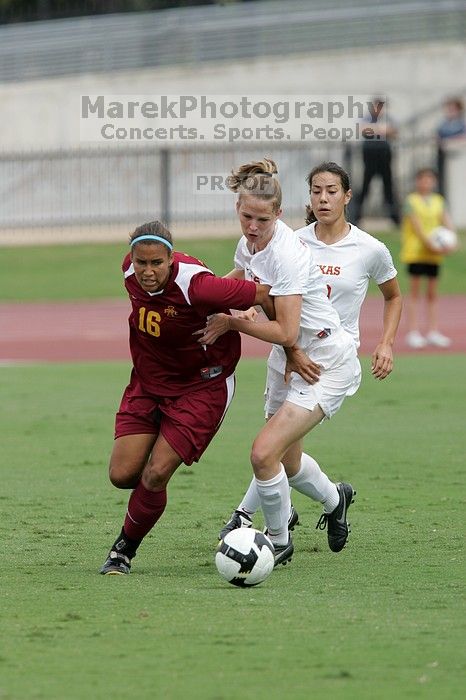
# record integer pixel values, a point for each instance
(144, 509)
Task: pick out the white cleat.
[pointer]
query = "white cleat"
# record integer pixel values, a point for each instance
(437, 339)
(415, 340)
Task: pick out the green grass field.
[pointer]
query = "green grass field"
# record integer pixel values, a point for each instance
(91, 271)
(383, 619)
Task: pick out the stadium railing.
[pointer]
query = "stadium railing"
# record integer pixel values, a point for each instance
(229, 32)
(98, 193)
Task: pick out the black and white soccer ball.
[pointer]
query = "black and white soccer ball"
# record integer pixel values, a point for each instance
(245, 557)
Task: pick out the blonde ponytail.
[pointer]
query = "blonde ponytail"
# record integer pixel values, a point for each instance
(256, 179)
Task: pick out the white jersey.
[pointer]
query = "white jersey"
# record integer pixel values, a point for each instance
(347, 266)
(288, 266)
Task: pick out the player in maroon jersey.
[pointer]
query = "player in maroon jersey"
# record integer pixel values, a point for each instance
(179, 390)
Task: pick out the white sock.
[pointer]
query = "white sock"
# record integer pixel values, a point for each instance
(251, 501)
(274, 497)
(312, 481)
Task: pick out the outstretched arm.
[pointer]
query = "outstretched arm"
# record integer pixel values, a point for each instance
(283, 330)
(264, 299)
(235, 274)
(263, 293)
(382, 357)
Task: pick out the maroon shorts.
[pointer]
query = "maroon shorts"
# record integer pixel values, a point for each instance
(188, 422)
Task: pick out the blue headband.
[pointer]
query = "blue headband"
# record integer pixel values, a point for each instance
(152, 237)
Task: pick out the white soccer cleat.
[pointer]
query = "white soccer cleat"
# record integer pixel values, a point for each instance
(415, 340)
(438, 339)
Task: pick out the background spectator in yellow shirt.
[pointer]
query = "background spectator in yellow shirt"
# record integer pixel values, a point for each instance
(424, 211)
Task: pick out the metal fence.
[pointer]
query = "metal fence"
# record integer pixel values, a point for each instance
(130, 184)
(231, 32)
(82, 189)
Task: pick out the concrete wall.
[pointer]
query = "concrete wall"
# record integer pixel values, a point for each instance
(45, 114)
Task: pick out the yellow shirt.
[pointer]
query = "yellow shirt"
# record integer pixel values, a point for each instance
(429, 210)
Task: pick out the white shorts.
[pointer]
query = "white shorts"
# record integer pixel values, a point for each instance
(329, 392)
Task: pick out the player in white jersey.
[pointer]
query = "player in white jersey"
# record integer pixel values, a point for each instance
(348, 265)
(347, 258)
(272, 252)
(296, 273)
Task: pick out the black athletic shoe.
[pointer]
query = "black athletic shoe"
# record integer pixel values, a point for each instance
(292, 521)
(283, 553)
(335, 522)
(117, 564)
(237, 520)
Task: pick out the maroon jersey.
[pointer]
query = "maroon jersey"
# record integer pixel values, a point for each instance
(166, 356)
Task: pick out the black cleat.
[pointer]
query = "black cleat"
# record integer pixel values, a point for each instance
(237, 520)
(284, 552)
(292, 521)
(117, 564)
(335, 522)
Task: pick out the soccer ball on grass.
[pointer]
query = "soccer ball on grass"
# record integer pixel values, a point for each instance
(245, 557)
